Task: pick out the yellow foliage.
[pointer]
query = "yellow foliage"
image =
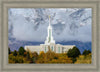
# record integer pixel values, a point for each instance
(11, 61)
(48, 58)
(41, 52)
(82, 59)
(31, 55)
(51, 57)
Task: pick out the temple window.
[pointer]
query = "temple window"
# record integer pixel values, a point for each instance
(52, 48)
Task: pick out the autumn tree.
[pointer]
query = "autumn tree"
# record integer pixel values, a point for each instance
(50, 55)
(35, 54)
(25, 53)
(41, 57)
(82, 59)
(34, 57)
(28, 55)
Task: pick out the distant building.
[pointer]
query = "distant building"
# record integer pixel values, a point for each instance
(49, 44)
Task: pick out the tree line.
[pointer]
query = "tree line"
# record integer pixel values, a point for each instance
(72, 56)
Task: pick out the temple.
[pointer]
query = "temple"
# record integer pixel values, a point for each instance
(49, 44)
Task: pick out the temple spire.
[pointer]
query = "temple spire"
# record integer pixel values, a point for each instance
(49, 20)
(49, 39)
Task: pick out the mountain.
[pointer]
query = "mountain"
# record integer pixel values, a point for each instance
(80, 45)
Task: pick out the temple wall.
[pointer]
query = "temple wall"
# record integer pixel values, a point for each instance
(67, 47)
(37, 49)
(57, 48)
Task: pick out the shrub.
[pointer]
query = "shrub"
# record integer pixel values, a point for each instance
(28, 55)
(82, 59)
(25, 53)
(50, 55)
(20, 60)
(34, 59)
(35, 54)
(41, 57)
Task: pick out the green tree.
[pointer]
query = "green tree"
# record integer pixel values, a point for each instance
(74, 52)
(15, 53)
(21, 51)
(9, 50)
(86, 52)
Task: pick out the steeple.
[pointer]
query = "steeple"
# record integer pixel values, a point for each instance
(49, 20)
(49, 37)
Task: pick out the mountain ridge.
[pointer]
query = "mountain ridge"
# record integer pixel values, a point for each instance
(80, 45)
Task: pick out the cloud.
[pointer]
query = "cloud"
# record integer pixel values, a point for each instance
(35, 27)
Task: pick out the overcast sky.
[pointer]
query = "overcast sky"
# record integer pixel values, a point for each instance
(29, 24)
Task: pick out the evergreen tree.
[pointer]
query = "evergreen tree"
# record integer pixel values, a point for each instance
(74, 52)
(9, 51)
(21, 51)
(15, 53)
(86, 52)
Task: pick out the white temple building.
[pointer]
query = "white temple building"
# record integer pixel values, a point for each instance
(49, 44)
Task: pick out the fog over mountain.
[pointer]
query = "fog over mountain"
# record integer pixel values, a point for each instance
(30, 24)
